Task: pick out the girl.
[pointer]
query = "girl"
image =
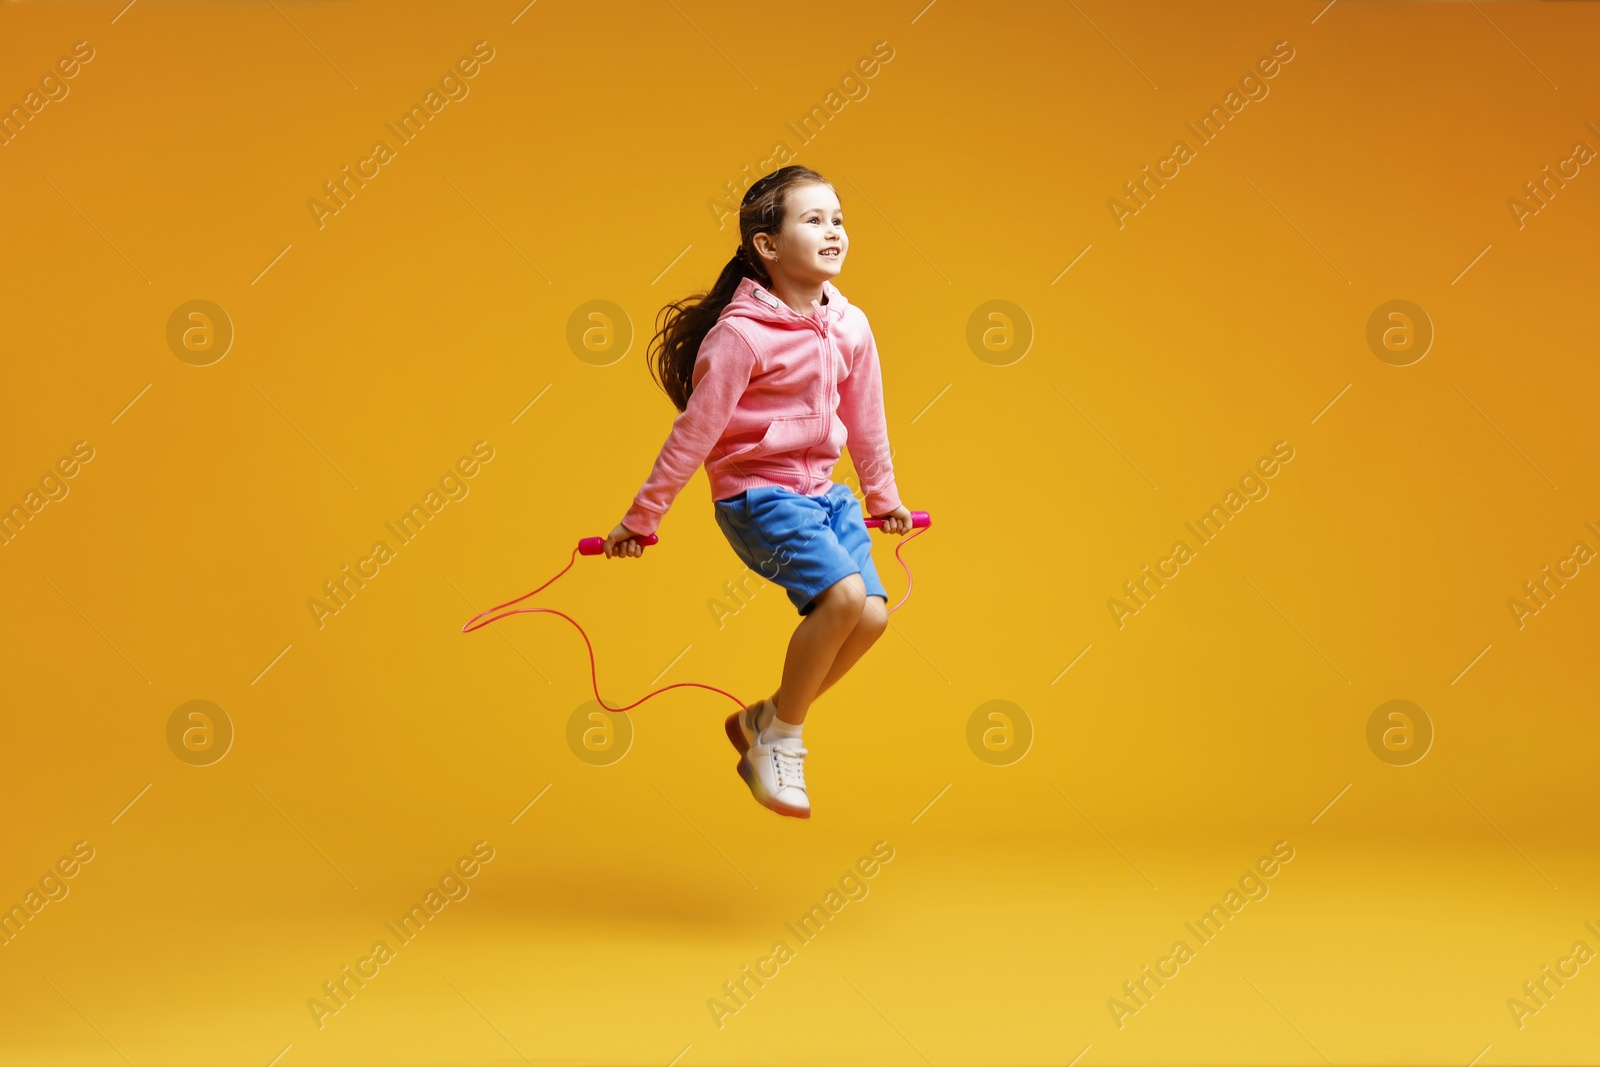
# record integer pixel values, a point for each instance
(773, 371)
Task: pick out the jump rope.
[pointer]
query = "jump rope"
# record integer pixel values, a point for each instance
(594, 546)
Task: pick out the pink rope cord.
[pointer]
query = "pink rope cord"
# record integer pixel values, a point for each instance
(594, 682)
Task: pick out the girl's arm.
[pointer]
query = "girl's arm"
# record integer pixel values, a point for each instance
(861, 411)
(722, 370)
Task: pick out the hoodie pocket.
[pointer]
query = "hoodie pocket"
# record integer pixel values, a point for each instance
(790, 434)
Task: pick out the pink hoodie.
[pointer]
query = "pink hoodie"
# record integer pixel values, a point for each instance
(776, 395)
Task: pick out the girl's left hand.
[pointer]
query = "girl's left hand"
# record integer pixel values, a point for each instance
(897, 521)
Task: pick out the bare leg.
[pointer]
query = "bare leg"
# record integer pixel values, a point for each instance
(816, 644)
(874, 621)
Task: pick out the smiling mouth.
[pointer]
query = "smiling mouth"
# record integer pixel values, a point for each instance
(831, 252)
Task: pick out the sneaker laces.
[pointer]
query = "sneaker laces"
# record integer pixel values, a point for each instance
(791, 766)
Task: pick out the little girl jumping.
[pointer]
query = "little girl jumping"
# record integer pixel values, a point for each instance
(773, 372)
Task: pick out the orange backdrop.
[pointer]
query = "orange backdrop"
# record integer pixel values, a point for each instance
(1243, 353)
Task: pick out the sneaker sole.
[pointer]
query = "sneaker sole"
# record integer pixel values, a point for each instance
(748, 773)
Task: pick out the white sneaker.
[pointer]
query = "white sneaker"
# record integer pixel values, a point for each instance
(776, 774)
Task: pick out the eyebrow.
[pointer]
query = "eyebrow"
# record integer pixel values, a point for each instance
(814, 210)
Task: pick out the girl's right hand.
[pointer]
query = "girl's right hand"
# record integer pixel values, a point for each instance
(621, 543)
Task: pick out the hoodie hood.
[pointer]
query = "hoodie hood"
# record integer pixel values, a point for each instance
(752, 300)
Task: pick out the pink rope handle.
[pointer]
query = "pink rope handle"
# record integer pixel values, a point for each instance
(473, 624)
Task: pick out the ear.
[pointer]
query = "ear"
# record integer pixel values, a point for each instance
(764, 245)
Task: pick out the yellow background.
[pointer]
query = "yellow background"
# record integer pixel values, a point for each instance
(427, 315)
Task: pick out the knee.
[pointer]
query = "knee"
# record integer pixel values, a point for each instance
(874, 618)
(845, 598)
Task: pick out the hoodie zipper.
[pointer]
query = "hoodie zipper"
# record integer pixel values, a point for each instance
(827, 391)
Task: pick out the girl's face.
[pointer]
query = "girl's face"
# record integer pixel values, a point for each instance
(811, 247)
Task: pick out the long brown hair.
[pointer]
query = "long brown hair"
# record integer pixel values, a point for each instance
(683, 324)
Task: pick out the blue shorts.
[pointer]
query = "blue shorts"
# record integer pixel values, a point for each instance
(804, 543)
